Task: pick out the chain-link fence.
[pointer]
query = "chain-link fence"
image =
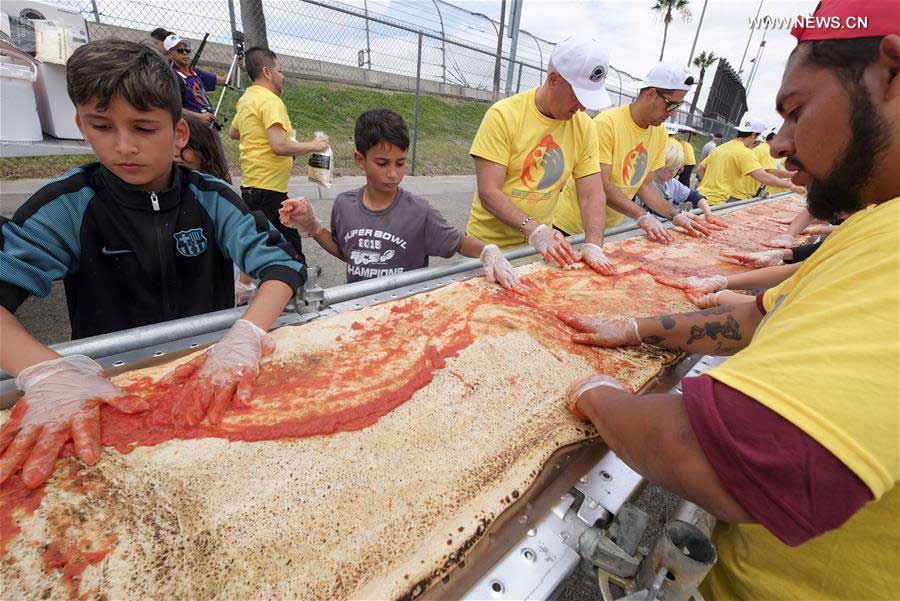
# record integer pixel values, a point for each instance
(436, 64)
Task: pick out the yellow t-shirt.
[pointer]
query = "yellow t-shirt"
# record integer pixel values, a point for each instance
(767, 161)
(540, 154)
(825, 357)
(689, 158)
(632, 153)
(727, 173)
(257, 110)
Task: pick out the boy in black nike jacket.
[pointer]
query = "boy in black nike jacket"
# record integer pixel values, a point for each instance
(137, 240)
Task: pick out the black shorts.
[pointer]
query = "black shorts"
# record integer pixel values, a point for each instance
(268, 202)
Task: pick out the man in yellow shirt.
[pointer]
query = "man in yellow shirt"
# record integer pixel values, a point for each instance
(632, 144)
(529, 145)
(732, 171)
(793, 442)
(763, 154)
(268, 144)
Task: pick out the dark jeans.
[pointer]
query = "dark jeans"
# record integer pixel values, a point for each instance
(268, 202)
(685, 177)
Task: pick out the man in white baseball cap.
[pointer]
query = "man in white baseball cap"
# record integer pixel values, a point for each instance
(632, 144)
(529, 145)
(732, 172)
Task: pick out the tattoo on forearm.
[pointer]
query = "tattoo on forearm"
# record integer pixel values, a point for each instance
(716, 310)
(730, 329)
(655, 340)
(668, 322)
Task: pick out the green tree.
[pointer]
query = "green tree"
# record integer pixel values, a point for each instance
(667, 6)
(702, 61)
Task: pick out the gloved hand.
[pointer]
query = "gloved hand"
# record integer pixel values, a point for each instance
(705, 301)
(654, 228)
(691, 224)
(582, 385)
(819, 229)
(552, 244)
(498, 270)
(243, 292)
(781, 241)
(298, 214)
(757, 259)
(62, 401)
(798, 190)
(713, 222)
(782, 220)
(219, 379)
(695, 284)
(593, 257)
(600, 331)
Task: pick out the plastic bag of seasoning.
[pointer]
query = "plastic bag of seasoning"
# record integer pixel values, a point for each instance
(321, 165)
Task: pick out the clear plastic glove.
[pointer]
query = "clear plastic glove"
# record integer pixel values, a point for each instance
(691, 224)
(656, 231)
(757, 259)
(697, 285)
(782, 220)
(243, 293)
(498, 270)
(819, 229)
(298, 214)
(781, 241)
(61, 402)
(593, 257)
(552, 245)
(798, 190)
(221, 378)
(713, 222)
(600, 331)
(582, 385)
(705, 301)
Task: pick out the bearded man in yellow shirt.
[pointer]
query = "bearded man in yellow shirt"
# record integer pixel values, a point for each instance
(632, 144)
(529, 145)
(732, 171)
(793, 442)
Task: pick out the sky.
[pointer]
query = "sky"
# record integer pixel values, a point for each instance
(634, 35)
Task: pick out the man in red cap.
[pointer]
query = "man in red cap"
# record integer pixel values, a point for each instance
(793, 442)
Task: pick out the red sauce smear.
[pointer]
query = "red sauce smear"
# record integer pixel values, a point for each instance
(17, 502)
(74, 559)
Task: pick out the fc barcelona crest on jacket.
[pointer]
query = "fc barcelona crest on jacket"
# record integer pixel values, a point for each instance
(190, 243)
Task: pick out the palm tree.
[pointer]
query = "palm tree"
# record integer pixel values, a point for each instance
(703, 61)
(668, 6)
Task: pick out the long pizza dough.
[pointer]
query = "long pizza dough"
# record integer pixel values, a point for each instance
(401, 432)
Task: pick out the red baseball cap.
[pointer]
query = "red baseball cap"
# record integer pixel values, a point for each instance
(849, 19)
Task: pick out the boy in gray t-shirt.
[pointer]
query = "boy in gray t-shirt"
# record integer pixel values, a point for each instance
(381, 229)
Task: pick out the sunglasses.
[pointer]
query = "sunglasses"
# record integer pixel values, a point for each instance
(183, 50)
(671, 105)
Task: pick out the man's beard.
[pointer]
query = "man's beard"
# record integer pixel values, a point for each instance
(840, 190)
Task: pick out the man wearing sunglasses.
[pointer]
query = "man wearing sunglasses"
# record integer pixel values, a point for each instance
(633, 145)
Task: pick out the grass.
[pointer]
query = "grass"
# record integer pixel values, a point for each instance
(446, 129)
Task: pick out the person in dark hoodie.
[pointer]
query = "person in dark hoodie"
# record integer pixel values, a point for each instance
(137, 239)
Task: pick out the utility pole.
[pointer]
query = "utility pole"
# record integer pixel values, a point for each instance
(496, 87)
(515, 17)
(697, 34)
(752, 29)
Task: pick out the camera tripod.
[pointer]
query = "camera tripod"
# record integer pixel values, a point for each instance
(233, 79)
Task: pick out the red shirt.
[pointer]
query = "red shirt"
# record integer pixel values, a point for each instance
(780, 475)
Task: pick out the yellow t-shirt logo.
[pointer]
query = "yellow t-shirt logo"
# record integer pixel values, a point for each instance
(634, 165)
(548, 157)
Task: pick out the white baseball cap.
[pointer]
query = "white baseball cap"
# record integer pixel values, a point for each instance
(173, 40)
(749, 124)
(668, 76)
(583, 61)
